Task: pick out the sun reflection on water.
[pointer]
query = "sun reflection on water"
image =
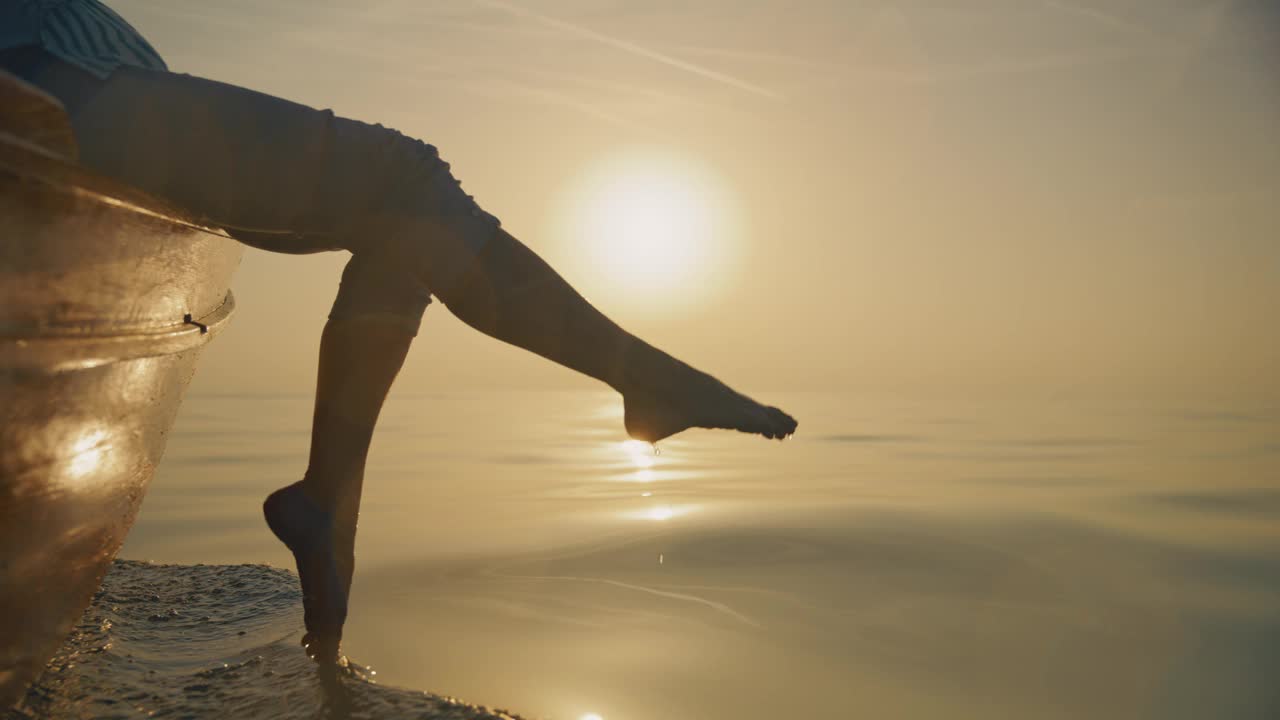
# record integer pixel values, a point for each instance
(662, 513)
(644, 466)
(641, 453)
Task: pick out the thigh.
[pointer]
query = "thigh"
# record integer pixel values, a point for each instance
(239, 158)
(242, 159)
(277, 174)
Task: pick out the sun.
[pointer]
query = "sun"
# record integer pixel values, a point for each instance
(649, 224)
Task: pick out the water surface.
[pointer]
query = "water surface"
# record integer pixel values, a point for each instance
(927, 555)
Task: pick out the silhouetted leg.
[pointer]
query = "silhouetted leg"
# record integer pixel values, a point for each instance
(373, 322)
(317, 517)
(513, 295)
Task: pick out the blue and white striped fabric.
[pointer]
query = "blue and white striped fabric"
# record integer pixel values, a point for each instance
(82, 32)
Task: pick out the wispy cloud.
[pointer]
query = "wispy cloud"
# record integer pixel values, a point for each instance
(1100, 16)
(551, 97)
(630, 47)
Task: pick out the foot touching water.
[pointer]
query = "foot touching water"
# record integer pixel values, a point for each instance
(700, 400)
(307, 530)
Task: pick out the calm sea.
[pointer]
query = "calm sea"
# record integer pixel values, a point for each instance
(919, 555)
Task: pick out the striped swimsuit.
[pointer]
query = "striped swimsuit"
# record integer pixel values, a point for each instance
(85, 33)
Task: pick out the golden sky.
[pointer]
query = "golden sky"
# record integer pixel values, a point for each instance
(1075, 193)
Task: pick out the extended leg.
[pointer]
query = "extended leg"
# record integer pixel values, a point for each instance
(513, 295)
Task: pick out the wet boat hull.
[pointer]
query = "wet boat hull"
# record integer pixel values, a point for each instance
(106, 299)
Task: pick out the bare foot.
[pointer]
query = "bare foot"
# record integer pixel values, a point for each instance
(307, 530)
(699, 400)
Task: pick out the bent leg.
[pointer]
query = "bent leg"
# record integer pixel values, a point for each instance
(317, 517)
(364, 344)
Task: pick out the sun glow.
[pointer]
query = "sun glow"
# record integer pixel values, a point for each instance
(649, 223)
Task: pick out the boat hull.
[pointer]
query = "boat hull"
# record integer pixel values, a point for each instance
(106, 300)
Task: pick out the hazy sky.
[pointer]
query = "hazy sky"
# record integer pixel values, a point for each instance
(1067, 192)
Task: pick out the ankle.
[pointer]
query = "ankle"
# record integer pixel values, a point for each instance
(646, 369)
(317, 491)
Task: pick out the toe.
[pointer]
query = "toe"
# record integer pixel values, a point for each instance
(783, 424)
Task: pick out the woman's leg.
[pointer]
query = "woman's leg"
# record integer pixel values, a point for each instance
(317, 516)
(513, 295)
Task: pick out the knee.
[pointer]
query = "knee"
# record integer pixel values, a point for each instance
(419, 213)
(411, 177)
(378, 285)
